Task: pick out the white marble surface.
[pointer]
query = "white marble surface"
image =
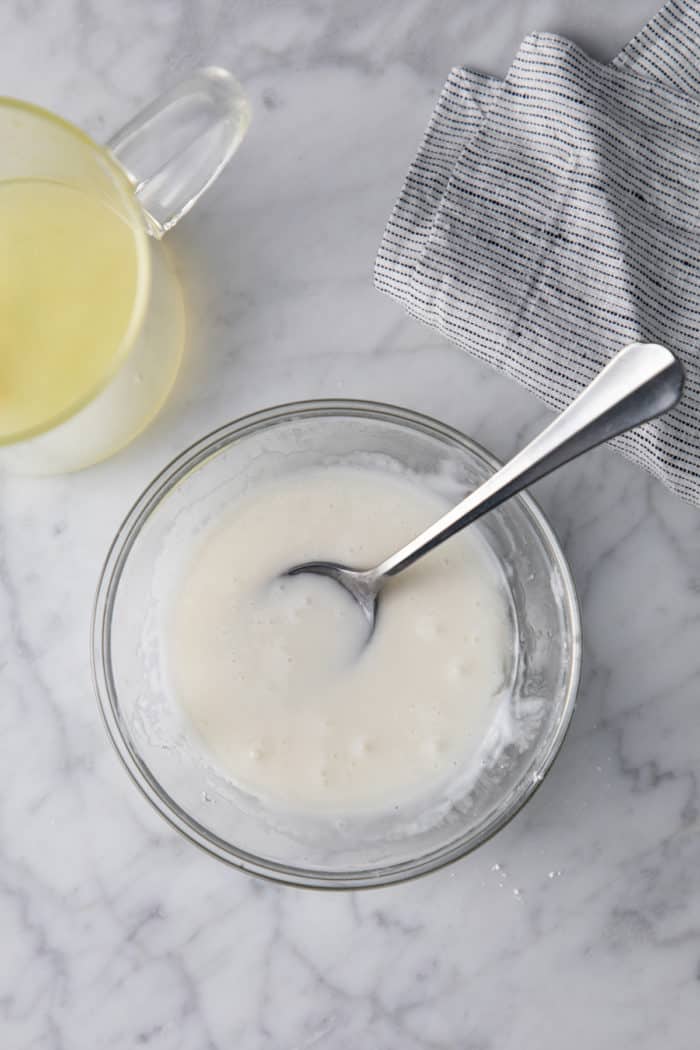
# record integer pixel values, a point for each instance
(114, 932)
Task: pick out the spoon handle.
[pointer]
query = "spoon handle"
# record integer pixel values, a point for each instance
(640, 382)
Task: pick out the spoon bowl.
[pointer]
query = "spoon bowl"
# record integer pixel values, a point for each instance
(363, 585)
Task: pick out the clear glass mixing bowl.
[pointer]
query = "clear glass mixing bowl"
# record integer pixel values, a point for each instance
(152, 737)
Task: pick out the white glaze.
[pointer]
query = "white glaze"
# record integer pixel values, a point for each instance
(276, 674)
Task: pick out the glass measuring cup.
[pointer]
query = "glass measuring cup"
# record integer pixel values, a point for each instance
(92, 316)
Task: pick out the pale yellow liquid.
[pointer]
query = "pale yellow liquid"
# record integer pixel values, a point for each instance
(68, 287)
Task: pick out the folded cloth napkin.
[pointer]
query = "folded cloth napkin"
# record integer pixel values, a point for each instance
(552, 218)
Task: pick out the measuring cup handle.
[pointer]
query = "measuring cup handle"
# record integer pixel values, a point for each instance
(174, 148)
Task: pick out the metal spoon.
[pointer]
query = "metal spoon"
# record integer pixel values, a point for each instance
(642, 381)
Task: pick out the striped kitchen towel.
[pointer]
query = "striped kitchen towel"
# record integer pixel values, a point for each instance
(554, 217)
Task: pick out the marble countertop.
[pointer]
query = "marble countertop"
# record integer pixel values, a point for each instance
(579, 924)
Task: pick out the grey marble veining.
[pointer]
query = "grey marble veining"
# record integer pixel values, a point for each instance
(579, 924)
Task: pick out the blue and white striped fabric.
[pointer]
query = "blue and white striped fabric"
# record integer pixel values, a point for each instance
(554, 217)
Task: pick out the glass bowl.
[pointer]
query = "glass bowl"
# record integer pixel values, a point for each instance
(151, 735)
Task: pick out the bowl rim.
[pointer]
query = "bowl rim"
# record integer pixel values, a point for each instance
(189, 460)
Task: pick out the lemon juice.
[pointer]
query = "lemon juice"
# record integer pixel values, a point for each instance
(69, 278)
(83, 365)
